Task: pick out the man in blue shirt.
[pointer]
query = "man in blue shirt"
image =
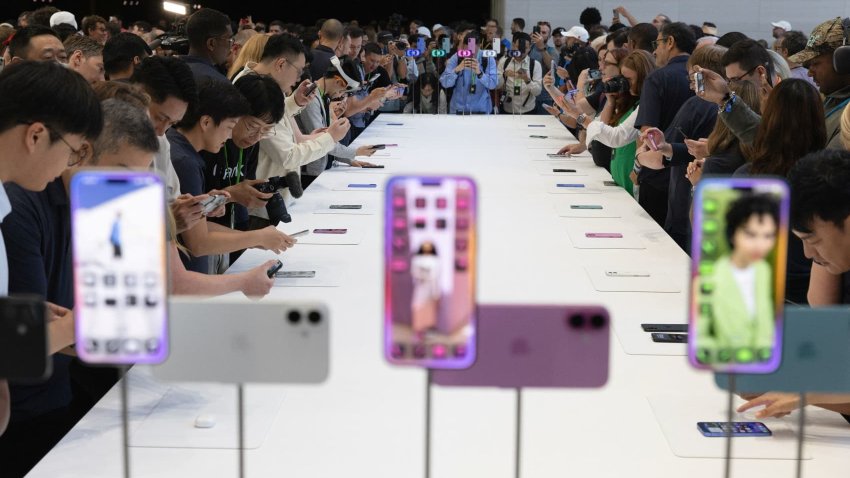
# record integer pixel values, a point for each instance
(210, 39)
(664, 92)
(472, 79)
(543, 52)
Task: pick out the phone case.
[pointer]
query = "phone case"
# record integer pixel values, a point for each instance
(120, 269)
(669, 328)
(725, 335)
(23, 339)
(330, 231)
(272, 342)
(562, 346)
(273, 269)
(430, 266)
(604, 235)
(346, 206)
(737, 429)
(585, 206)
(296, 274)
(664, 338)
(364, 186)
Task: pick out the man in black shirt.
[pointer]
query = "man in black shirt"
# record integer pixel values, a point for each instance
(210, 38)
(664, 92)
(38, 240)
(329, 38)
(820, 217)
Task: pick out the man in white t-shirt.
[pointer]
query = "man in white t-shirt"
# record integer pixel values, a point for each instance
(46, 115)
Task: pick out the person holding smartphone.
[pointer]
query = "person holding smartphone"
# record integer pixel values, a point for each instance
(472, 78)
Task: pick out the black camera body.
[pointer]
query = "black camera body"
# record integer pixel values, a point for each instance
(275, 207)
(618, 84)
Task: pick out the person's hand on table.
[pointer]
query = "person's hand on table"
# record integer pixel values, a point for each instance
(361, 164)
(256, 283)
(365, 151)
(576, 148)
(247, 195)
(776, 405)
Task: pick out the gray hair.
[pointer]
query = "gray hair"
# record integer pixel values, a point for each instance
(780, 65)
(124, 125)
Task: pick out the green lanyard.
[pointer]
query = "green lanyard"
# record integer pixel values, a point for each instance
(238, 180)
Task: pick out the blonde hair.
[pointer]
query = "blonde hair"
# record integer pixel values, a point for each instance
(251, 51)
(845, 127)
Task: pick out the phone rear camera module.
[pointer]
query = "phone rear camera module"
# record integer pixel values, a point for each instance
(576, 321)
(597, 322)
(294, 317)
(314, 317)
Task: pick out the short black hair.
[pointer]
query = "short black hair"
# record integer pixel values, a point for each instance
(620, 38)
(277, 23)
(794, 41)
(729, 39)
(281, 45)
(820, 188)
(373, 48)
(217, 99)
(520, 22)
(204, 24)
(698, 33)
(20, 43)
(49, 93)
(90, 23)
(472, 34)
(584, 58)
(749, 54)
(356, 32)
(264, 97)
(164, 76)
(682, 34)
(642, 35)
(120, 50)
(742, 209)
(590, 16)
(522, 36)
(64, 31)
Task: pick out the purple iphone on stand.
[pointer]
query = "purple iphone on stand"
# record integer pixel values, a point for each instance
(560, 346)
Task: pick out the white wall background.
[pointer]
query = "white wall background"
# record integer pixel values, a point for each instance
(751, 17)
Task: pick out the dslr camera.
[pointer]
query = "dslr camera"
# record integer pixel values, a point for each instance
(618, 84)
(276, 207)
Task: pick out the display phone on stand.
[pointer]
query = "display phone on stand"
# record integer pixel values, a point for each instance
(739, 249)
(23, 339)
(430, 269)
(562, 346)
(120, 275)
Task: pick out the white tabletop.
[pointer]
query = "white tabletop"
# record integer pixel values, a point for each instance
(368, 418)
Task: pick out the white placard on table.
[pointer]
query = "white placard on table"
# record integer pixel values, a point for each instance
(632, 278)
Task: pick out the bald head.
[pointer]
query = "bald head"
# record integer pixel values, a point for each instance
(331, 33)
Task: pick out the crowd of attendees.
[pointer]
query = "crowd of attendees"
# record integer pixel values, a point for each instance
(218, 106)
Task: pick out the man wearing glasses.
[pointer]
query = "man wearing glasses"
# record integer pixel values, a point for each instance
(664, 92)
(746, 60)
(210, 39)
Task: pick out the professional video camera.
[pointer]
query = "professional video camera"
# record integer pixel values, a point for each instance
(174, 40)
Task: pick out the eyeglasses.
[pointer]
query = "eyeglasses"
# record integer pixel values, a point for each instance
(655, 43)
(300, 71)
(734, 79)
(76, 156)
(227, 39)
(263, 132)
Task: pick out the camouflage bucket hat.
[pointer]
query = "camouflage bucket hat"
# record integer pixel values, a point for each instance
(825, 38)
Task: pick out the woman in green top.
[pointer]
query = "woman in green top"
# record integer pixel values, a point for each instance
(624, 73)
(736, 318)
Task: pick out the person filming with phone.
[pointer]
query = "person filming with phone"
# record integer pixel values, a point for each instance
(472, 78)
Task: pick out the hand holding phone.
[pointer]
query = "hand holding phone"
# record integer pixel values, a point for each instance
(273, 269)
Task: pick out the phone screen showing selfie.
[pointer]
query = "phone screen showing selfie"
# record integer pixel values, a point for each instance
(120, 280)
(739, 253)
(430, 271)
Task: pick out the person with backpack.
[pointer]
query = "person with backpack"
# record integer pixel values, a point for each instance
(520, 77)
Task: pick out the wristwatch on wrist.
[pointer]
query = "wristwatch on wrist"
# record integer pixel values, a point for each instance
(580, 120)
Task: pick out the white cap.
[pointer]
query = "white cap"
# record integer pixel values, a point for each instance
(59, 18)
(783, 25)
(424, 31)
(436, 27)
(578, 32)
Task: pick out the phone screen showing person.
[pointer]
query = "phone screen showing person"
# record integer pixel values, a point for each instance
(739, 251)
(120, 280)
(430, 267)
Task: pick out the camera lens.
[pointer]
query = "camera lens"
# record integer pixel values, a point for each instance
(597, 322)
(314, 317)
(294, 316)
(576, 321)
